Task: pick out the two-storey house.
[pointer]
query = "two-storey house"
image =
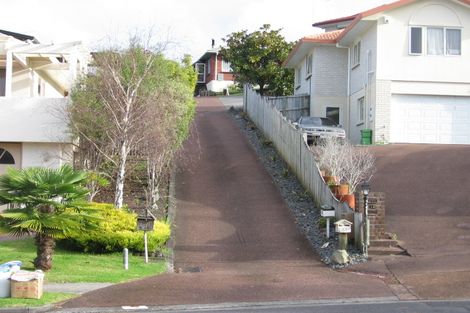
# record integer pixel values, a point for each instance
(35, 80)
(214, 74)
(401, 69)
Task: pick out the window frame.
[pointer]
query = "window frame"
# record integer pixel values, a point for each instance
(361, 110)
(309, 66)
(226, 66)
(203, 73)
(424, 40)
(298, 77)
(356, 55)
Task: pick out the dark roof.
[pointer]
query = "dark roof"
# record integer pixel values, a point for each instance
(18, 36)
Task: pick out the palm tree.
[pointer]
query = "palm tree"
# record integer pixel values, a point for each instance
(47, 203)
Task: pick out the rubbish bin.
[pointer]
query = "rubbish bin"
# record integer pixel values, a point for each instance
(366, 136)
(6, 270)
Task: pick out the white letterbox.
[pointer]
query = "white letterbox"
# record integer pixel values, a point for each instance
(327, 213)
(343, 226)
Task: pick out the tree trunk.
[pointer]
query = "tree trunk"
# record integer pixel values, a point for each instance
(45, 245)
(121, 175)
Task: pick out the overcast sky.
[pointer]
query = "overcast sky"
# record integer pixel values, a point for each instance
(190, 24)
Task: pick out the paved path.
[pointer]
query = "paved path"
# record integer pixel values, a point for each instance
(234, 237)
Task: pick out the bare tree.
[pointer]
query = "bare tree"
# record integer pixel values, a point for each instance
(126, 106)
(359, 166)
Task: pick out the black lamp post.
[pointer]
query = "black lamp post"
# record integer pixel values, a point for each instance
(366, 224)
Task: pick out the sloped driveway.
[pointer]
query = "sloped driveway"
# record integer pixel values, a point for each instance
(235, 239)
(428, 207)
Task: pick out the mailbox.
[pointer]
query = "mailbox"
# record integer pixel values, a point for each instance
(145, 221)
(343, 226)
(327, 213)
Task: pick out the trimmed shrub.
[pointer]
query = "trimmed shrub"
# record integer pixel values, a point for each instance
(117, 230)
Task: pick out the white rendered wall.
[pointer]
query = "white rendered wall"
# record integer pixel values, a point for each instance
(50, 155)
(33, 120)
(218, 85)
(395, 63)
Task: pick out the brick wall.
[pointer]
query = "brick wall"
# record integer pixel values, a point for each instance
(376, 213)
(382, 111)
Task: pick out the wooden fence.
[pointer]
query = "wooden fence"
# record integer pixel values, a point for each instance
(293, 147)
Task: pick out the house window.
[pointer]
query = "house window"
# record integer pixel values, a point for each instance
(356, 55)
(308, 65)
(361, 110)
(416, 40)
(201, 72)
(453, 41)
(226, 66)
(298, 77)
(438, 41)
(2, 82)
(6, 157)
(333, 114)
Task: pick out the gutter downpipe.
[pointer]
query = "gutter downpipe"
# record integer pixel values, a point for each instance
(348, 89)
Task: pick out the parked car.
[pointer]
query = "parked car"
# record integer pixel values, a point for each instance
(318, 128)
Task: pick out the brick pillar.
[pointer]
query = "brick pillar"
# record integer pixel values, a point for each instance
(376, 213)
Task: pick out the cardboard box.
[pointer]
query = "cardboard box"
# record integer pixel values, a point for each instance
(30, 289)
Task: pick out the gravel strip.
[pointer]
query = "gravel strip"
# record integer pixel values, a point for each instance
(300, 202)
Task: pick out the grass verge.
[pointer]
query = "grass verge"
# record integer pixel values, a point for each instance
(75, 267)
(47, 298)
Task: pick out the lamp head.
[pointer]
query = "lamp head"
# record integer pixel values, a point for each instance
(365, 188)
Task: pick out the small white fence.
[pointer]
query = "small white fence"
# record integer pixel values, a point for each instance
(293, 147)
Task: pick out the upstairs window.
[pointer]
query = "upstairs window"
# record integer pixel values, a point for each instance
(416, 40)
(201, 72)
(298, 77)
(308, 65)
(356, 55)
(226, 66)
(437, 40)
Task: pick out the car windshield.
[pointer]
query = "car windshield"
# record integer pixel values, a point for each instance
(317, 121)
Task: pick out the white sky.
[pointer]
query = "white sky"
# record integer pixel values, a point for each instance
(191, 24)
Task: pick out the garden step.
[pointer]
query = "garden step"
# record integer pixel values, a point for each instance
(383, 243)
(386, 251)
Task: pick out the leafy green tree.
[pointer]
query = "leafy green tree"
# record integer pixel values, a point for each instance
(256, 58)
(47, 203)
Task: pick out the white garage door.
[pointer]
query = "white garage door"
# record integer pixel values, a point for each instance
(430, 119)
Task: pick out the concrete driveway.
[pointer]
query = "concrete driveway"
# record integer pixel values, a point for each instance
(428, 207)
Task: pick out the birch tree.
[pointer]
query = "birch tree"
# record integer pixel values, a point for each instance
(123, 106)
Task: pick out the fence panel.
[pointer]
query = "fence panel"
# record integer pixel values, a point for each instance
(274, 116)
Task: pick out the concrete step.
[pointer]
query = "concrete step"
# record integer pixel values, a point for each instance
(383, 243)
(386, 251)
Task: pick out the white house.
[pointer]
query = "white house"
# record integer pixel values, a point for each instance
(35, 80)
(401, 69)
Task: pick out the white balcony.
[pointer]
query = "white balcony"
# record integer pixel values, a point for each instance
(36, 119)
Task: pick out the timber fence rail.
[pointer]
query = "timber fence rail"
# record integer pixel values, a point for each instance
(293, 147)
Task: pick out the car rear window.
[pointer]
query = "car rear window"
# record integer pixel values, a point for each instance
(327, 122)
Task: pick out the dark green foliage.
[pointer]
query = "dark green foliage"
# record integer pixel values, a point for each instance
(257, 59)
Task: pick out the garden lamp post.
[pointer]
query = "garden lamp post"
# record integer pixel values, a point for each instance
(366, 224)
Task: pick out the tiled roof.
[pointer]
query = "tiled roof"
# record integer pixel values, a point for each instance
(328, 37)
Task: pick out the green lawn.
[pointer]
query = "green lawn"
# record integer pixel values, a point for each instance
(47, 298)
(73, 267)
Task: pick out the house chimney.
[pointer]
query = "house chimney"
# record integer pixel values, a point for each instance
(213, 43)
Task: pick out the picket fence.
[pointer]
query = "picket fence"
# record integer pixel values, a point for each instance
(293, 147)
